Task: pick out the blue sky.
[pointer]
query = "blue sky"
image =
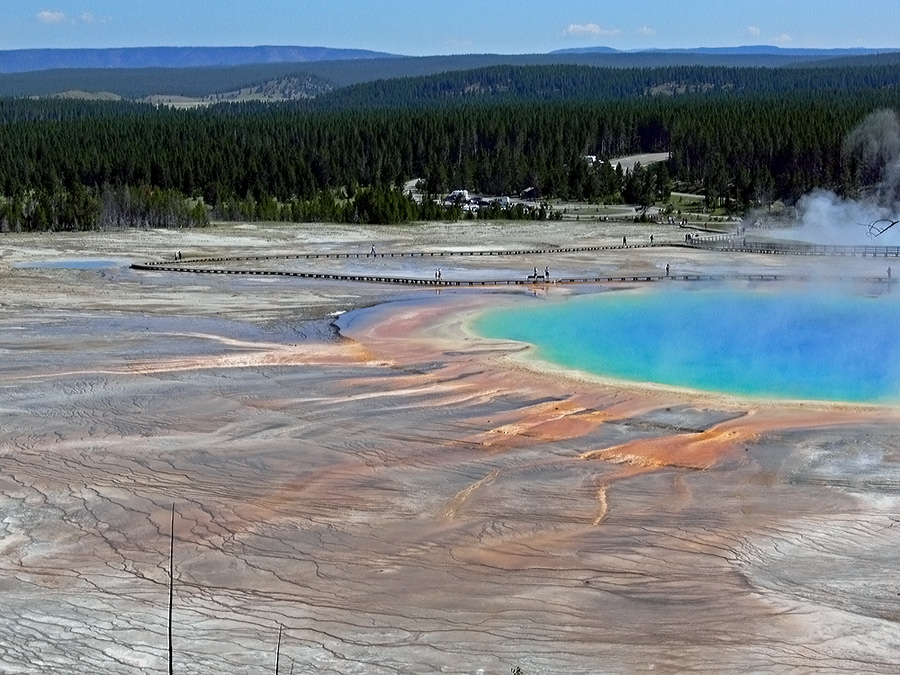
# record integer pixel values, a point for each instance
(418, 27)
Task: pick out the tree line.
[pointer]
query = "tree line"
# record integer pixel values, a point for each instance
(60, 159)
(504, 83)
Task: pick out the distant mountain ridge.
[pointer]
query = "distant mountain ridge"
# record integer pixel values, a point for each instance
(736, 51)
(270, 77)
(30, 60)
(27, 60)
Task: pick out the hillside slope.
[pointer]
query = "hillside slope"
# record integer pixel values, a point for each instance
(27, 60)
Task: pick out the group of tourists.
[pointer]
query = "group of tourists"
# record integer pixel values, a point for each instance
(535, 276)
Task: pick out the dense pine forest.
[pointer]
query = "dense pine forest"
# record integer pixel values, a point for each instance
(743, 137)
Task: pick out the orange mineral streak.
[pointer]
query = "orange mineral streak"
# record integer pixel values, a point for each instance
(724, 441)
(689, 451)
(559, 420)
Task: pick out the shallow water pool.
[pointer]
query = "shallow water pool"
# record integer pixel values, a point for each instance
(812, 345)
(70, 264)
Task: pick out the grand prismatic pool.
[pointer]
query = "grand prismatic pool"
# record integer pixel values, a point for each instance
(787, 345)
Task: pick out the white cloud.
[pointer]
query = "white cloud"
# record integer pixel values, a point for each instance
(50, 17)
(753, 30)
(646, 31)
(783, 39)
(591, 30)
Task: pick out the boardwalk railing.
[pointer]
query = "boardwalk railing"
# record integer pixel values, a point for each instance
(738, 243)
(721, 242)
(393, 254)
(527, 281)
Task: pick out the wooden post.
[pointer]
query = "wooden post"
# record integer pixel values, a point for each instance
(278, 648)
(171, 583)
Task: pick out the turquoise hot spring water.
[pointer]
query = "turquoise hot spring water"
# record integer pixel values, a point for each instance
(826, 345)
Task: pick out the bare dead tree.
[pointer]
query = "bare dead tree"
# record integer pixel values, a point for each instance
(879, 227)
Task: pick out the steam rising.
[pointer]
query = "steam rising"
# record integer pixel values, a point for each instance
(826, 218)
(877, 142)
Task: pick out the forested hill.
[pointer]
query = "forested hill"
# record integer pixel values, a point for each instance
(143, 83)
(545, 83)
(745, 150)
(742, 136)
(884, 59)
(357, 71)
(24, 60)
(497, 83)
(208, 80)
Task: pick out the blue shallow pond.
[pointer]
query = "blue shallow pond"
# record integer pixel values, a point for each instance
(788, 345)
(69, 264)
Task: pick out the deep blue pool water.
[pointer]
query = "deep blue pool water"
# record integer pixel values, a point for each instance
(790, 345)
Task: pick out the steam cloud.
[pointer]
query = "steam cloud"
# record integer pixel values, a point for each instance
(877, 141)
(826, 218)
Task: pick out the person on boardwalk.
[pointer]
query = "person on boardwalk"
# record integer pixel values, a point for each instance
(651, 240)
(667, 269)
(439, 274)
(547, 273)
(624, 241)
(373, 249)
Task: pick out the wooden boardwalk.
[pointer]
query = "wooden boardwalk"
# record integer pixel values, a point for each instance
(397, 254)
(725, 243)
(191, 266)
(527, 281)
(717, 243)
